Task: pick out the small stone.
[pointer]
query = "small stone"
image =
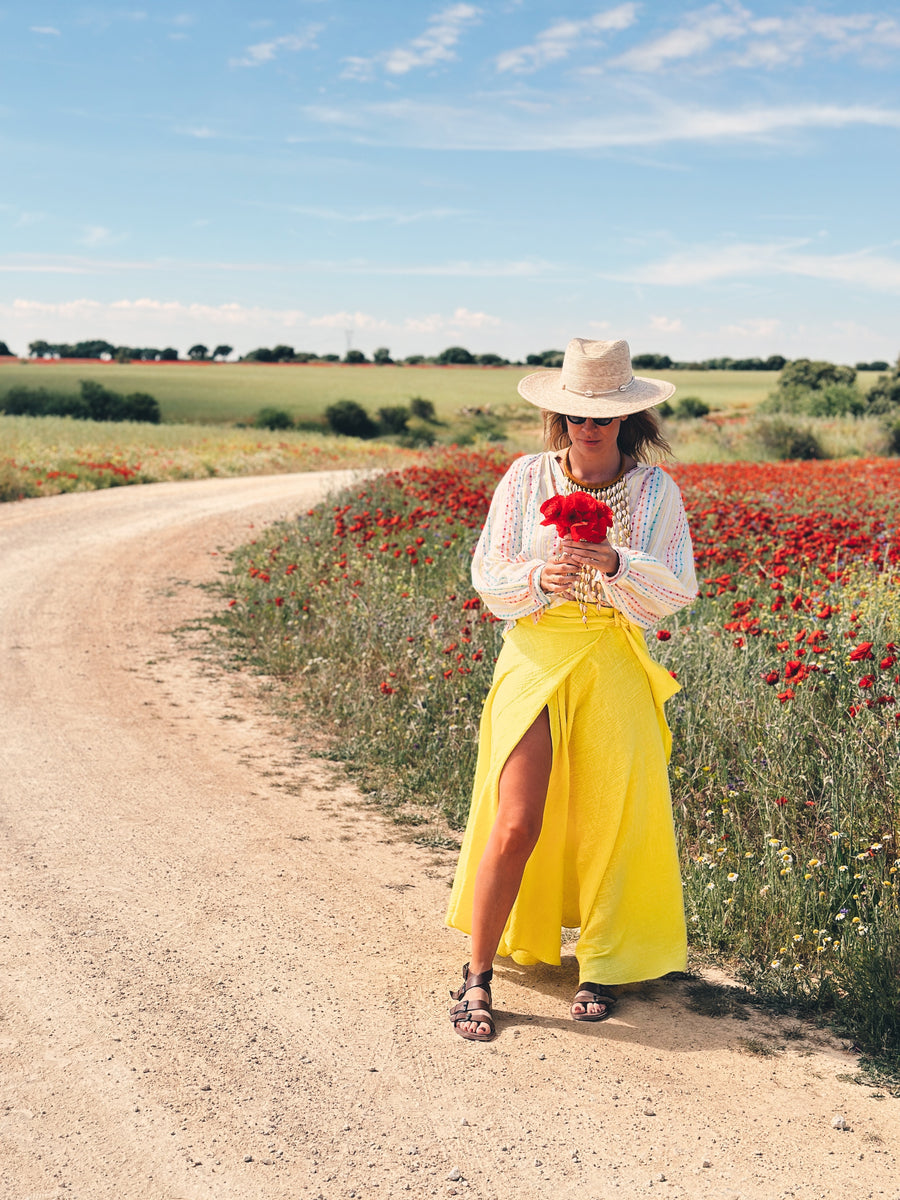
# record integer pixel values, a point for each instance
(840, 1122)
(538, 1162)
(205, 1088)
(706, 1163)
(454, 1175)
(648, 1112)
(248, 1158)
(346, 1128)
(464, 1121)
(542, 1058)
(660, 1178)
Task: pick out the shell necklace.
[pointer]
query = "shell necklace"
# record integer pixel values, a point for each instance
(613, 492)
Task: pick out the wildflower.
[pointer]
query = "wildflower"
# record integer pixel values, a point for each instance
(841, 916)
(798, 937)
(732, 877)
(861, 652)
(867, 681)
(862, 930)
(813, 862)
(781, 801)
(776, 962)
(710, 887)
(663, 635)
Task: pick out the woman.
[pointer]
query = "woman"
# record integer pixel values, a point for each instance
(571, 822)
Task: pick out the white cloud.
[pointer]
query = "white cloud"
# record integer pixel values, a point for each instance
(196, 131)
(461, 319)
(347, 320)
(761, 42)
(434, 46)
(98, 235)
(666, 324)
(754, 327)
(47, 29)
(745, 260)
(489, 127)
(561, 38)
(263, 52)
(393, 216)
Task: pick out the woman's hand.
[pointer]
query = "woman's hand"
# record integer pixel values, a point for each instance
(599, 555)
(558, 576)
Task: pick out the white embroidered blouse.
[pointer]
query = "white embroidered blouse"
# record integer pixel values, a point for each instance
(656, 570)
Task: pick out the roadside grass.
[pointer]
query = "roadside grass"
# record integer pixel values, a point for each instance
(42, 456)
(786, 768)
(229, 392)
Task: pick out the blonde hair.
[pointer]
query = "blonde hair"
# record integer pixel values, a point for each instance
(639, 436)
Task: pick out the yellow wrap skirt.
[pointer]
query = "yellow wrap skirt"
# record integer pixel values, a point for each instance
(606, 862)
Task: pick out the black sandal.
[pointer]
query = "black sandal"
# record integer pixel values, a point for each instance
(592, 993)
(476, 1011)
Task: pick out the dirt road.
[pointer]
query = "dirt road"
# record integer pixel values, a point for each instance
(222, 978)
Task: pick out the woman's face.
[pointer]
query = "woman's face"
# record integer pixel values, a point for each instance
(590, 435)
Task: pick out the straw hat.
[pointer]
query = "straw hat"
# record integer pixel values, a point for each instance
(595, 380)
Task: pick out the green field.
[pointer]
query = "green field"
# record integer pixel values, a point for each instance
(213, 393)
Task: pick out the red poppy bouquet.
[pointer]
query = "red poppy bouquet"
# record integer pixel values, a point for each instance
(580, 516)
(583, 518)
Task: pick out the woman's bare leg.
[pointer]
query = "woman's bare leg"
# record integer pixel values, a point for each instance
(517, 826)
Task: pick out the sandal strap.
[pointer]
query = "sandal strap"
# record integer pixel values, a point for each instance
(470, 980)
(468, 1010)
(596, 995)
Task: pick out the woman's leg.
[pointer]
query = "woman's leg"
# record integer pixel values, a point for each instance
(514, 834)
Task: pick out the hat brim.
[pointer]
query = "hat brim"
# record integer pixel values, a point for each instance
(544, 389)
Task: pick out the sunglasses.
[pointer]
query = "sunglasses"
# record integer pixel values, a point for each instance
(596, 420)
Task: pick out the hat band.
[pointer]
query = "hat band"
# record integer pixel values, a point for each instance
(623, 387)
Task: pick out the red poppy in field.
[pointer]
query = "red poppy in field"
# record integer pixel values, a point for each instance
(861, 652)
(867, 681)
(663, 635)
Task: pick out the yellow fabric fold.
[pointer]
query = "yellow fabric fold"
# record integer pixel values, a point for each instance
(606, 860)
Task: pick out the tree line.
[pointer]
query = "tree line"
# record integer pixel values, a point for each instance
(452, 356)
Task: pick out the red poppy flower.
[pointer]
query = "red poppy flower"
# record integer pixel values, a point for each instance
(663, 635)
(781, 801)
(867, 681)
(861, 652)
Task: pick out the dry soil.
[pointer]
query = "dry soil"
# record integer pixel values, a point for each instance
(224, 977)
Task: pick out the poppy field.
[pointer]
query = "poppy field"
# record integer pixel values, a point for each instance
(43, 456)
(786, 762)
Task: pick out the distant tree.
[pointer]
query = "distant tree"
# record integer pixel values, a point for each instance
(283, 353)
(259, 355)
(303, 356)
(883, 397)
(222, 351)
(350, 419)
(382, 356)
(5, 351)
(355, 356)
(413, 360)
(455, 354)
(331, 358)
(40, 349)
(170, 354)
(806, 373)
(775, 362)
(123, 354)
(491, 360)
(533, 360)
(551, 358)
(872, 366)
(653, 362)
(198, 353)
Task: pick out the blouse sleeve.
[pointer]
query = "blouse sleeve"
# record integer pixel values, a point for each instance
(505, 571)
(656, 573)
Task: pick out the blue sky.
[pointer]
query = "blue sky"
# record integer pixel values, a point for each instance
(701, 179)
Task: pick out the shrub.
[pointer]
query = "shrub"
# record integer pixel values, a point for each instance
(273, 418)
(690, 406)
(349, 418)
(96, 403)
(884, 396)
(423, 409)
(393, 418)
(355, 356)
(787, 440)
